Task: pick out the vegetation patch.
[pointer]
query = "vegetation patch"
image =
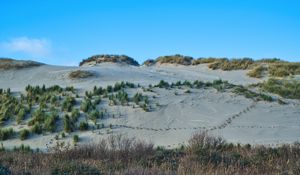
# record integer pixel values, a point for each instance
(149, 62)
(233, 64)
(8, 63)
(175, 59)
(203, 154)
(97, 59)
(284, 69)
(284, 88)
(206, 60)
(80, 74)
(257, 72)
(253, 95)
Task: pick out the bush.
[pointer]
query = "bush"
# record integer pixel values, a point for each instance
(149, 62)
(86, 105)
(21, 115)
(257, 72)
(206, 60)
(203, 154)
(68, 104)
(137, 98)
(6, 133)
(75, 115)
(37, 128)
(68, 168)
(24, 134)
(75, 139)
(175, 59)
(97, 100)
(94, 115)
(67, 124)
(284, 88)
(80, 74)
(250, 94)
(50, 121)
(97, 59)
(233, 64)
(162, 84)
(122, 96)
(284, 69)
(83, 126)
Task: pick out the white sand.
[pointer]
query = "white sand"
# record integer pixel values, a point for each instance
(178, 116)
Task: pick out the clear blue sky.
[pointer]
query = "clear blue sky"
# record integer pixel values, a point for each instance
(66, 31)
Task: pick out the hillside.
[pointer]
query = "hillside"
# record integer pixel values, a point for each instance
(180, 100)
(50, 108)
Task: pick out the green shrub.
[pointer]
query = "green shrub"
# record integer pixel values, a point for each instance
(21, 115)
(86, 105)
(94, 115)
(250, 94)
(109, 89)
(37, 128)
(83, 126)
(24, 134)
(75, 114)
(284, 88)
(50, 121)
(163, 84)
(23, 149)
(97, 100)
(122, 96)
(137, 98)
(75, 139)
(67, 124)
(68, 104)
(6, 133)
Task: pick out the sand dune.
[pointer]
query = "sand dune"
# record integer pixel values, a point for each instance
(176, 115)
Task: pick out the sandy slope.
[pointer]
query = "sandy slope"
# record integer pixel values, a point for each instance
(174, 117)
(108, 73)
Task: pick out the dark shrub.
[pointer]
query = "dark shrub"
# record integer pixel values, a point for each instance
(24, 134)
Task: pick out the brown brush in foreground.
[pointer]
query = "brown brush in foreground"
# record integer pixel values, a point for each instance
(119, 155)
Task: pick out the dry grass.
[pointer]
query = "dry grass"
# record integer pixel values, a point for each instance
(118, 155)
(149, 62)
(7, 63)
(233, 64)
(257, 72)
(284, 69)
(284, 88)
(80, 74)
(110, 58)
(175, 59)
(206, 60)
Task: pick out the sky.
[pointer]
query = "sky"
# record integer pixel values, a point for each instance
(64, 32)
